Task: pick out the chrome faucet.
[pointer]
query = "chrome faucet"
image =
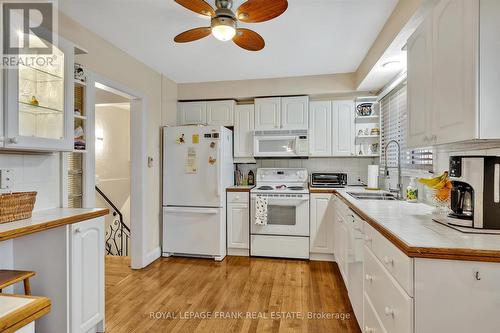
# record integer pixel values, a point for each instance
(399, 189)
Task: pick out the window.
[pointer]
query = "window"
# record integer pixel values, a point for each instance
(394, 127)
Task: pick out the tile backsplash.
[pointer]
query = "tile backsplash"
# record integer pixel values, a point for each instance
(35, 172)
(356, 168)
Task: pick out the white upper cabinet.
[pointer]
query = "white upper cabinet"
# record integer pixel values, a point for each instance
(320, 128)
(268, 113)
(243, 130)
(419, 86)
(453, 74)
(332, 128)
(189, 113)
(38, 103)
(343, 129)
(220, 113)
(295, 112)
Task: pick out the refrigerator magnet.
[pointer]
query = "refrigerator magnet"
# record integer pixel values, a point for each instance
(180, 140)
(195, 138)
(212, 160)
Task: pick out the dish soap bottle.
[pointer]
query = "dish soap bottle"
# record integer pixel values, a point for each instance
(412, 191)
(251, 178)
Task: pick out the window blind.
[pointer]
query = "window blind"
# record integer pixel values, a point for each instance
(393, 110)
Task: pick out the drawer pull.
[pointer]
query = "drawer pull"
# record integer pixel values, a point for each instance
(368, 277)
(389, 312)
(388, 261)
(369, 329)
(368, 238)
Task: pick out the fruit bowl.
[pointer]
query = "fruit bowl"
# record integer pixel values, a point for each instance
(438, 192)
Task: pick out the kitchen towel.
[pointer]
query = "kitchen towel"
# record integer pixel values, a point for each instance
(373, 171)
(261, 210)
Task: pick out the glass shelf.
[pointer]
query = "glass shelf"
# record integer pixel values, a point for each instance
(38, 75)
(37, 109)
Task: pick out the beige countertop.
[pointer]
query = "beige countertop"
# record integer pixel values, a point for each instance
(240, 188)
(48, 219)
(410, 227)
(17, 311)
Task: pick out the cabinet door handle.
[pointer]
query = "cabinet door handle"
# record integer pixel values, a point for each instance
(77, 231)
(369, 329)
(433, 138)
(368, 239)
(389, 311)
(426, 139)
(13, 140)
(368, 278)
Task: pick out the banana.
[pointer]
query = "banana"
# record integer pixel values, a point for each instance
(436, 182)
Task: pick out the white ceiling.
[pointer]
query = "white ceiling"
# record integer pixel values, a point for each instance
(312, 37)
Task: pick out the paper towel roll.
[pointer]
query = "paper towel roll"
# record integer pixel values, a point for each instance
(373, 171)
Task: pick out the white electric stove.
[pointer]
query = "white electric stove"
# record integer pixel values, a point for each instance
(286, 234)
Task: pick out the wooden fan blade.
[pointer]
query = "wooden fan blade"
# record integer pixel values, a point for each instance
(192, 35)
(249, 40)
(197, 6)
(255, 11)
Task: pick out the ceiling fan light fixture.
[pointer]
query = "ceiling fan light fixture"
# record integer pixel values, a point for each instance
(223, 28)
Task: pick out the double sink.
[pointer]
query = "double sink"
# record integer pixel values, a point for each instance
(371, 196)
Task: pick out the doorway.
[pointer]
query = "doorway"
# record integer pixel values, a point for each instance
(122, 182)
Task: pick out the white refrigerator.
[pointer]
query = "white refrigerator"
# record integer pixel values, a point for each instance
(197, 169)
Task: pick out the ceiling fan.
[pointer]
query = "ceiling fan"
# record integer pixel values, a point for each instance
(224, 22)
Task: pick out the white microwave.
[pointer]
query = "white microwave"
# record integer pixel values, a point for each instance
(281, 143)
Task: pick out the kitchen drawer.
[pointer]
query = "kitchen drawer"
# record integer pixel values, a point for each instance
(372, 321)
(391, 303)
(395, 261)
(238, 197)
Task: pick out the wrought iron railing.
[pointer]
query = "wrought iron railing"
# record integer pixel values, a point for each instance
(117, 233)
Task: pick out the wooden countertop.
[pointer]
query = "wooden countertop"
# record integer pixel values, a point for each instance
(239, 188)
(17, 311)
(48, 219)
(409, 226)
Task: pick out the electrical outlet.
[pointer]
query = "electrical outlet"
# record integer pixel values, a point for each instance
(6, 179)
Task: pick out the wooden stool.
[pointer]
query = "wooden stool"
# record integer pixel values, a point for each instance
(9, 277)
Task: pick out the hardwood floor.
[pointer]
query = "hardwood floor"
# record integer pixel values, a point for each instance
(260, 295)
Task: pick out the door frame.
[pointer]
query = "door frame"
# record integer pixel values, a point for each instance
(140, 257)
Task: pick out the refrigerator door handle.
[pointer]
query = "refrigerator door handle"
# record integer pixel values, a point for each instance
(191, 210)
(219, 170)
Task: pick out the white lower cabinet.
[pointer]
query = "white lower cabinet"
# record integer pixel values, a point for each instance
(238, 227)
(372, 323)
(322, 215)
(456, 296)
(87, 275)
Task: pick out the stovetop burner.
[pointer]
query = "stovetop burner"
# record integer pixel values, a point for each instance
(296, 188)
(265, 188)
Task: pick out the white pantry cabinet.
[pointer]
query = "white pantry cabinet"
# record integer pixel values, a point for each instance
(238, 227)
(322, 219)
(87, 274)
(332, 128)
(457, 48)
(243, 130)
(282, 113)
(38, 103)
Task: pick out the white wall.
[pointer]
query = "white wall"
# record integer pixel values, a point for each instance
(112, 158)
(36, 172)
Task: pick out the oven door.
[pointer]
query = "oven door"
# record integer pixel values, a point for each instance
(287, 215)
(275, 146)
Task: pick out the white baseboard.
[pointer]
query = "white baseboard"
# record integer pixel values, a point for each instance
(152, 256)
(321, 257)
(238, 252)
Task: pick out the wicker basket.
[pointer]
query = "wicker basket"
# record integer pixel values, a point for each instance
(16, 206)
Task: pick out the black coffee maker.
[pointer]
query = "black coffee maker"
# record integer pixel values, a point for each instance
(475, 195)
